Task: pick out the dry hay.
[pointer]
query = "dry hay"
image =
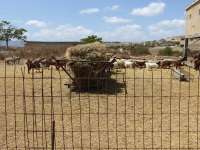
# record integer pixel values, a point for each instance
(90, 52)
(89, 64)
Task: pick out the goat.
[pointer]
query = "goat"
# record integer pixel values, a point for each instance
(34, 64)
(119, 63)
(167, 63)
(58, 62)
(196, 64)
(178, 63)
(12, 60)
(140, 63)
(151, 65)
(196, 56)
(128, 64)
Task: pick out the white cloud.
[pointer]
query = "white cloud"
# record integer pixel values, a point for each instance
(115, 7)
(89, 11)
(61, 33)
(116, 20)
(124, 33)
(152, 9)
(168, 28)
(127, 33)
(36, 23)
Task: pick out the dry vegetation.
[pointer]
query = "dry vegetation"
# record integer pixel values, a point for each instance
(34, 52)
(153, 113)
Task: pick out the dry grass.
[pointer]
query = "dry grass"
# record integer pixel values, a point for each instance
(153, 115)
(35, 52)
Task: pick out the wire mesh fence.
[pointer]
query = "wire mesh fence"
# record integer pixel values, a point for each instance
(135, 109)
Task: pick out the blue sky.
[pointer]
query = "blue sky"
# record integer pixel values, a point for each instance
(114, 20)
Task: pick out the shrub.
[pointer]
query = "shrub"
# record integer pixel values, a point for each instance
(139, 49)
(166, 52)
(133, 49)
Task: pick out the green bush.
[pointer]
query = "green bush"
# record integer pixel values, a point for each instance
(133, 49)
(166, 52)
(138, 50)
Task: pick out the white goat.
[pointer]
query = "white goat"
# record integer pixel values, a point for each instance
(151, 65)
(128, 64)
(120, 63)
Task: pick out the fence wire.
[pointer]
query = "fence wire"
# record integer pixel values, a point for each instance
(137, 109)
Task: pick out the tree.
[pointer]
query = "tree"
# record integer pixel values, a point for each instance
(91, 39)
(9, 32)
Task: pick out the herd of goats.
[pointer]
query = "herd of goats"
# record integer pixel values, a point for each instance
(60, 63)
(39, 63)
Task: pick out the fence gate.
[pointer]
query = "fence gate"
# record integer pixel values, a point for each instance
(138, 109)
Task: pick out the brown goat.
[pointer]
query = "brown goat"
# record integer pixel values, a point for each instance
(12, 60)
(140, 64)
(58, 62)
(196, 64)
(178, 63)
(166, 64)
(34, 64)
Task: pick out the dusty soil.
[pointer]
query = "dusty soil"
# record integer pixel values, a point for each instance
(158, 112)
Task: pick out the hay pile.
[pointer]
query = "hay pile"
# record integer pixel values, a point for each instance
(89, 65)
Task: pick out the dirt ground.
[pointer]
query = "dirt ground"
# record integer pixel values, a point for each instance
(158, 112)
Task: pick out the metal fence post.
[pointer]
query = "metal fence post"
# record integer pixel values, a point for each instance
(53, 136)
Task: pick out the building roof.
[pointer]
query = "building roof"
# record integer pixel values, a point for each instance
(193, 4)
(49, 42)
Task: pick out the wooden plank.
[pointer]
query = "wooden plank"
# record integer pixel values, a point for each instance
(189, 64)
(194, 36)
(178, 74)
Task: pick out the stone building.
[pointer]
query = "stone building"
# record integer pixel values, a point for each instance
(193, 19)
